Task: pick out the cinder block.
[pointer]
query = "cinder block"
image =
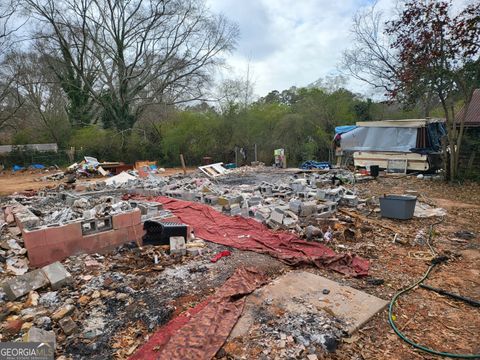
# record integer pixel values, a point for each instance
(308, 208)
(23, 284)
(294, 205)
(349, 200)
(177, 245)
(277, 216)
(57, 275)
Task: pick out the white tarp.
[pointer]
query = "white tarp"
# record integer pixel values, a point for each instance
(379, 139)
(121, 178)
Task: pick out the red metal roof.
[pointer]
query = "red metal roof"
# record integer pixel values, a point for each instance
(473, 113)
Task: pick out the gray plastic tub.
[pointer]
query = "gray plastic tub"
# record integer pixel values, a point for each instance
(397, 206)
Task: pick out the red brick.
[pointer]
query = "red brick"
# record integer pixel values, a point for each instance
(136, 232)
(121, 221)
(136, 217)
(90, 243)
(34, 238)
(126, 219)
(113, 238)
(65, 233)
(45, 255)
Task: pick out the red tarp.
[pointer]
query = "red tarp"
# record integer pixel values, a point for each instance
(201, 331)
(248, 234)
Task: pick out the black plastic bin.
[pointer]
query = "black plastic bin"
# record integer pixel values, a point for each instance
(158, 233)
(374, 170)
(397, 206)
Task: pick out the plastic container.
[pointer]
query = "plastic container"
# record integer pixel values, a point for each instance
(374, 170)
(397, 206)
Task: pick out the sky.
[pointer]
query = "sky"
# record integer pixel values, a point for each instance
(286, 43)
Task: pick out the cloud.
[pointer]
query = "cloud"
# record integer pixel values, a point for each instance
(290, 43)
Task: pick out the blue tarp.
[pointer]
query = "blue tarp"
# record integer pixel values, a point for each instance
(312, 164)
(345, 128)
(17, 168)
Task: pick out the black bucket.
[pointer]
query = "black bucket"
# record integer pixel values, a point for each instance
(374, 170)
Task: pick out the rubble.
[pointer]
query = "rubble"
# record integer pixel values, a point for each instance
(106, 304)
(57, 275)
(39, 335)
(23, 284)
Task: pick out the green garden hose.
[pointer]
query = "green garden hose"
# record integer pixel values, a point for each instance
(414, 344)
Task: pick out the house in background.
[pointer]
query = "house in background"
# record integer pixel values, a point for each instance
(396, 145)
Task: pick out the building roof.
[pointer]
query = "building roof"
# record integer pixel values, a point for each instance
(473, 113)
(404, 123)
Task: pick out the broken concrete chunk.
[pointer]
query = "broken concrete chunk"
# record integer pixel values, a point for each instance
(62, 312)
(277, 216)
(68, 325)
(177, 245)
(23, 284)
(312, 231)
(57, 275)
(38, 335)
(308, 208)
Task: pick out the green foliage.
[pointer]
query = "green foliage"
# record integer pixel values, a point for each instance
(100, 143)
(26, 157)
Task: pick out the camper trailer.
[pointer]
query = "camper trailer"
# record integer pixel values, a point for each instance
(394, 145)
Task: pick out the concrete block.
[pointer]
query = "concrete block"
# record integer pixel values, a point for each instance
(289, 222)
(321, 194)
(194, 251)
(349, 200)
(308, 208)
(57, 275)
(188, 195)
(277, 216)
(211, 200)
(294, 205)
(235, 210)
(38, 335)
(25, 218)
(255, 200)
(23, 284)
(177, 245)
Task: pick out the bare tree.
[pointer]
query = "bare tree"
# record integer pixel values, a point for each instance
(371, 59)
(145, 51)
(42, 97)
(375, 61)
(9, 99)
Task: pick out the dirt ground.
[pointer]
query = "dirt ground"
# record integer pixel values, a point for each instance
(427, 318)
(21, 181)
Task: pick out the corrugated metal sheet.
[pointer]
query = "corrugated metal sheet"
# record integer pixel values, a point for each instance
(473, 113)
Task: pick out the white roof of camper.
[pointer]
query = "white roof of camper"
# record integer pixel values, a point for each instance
(407, 123)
